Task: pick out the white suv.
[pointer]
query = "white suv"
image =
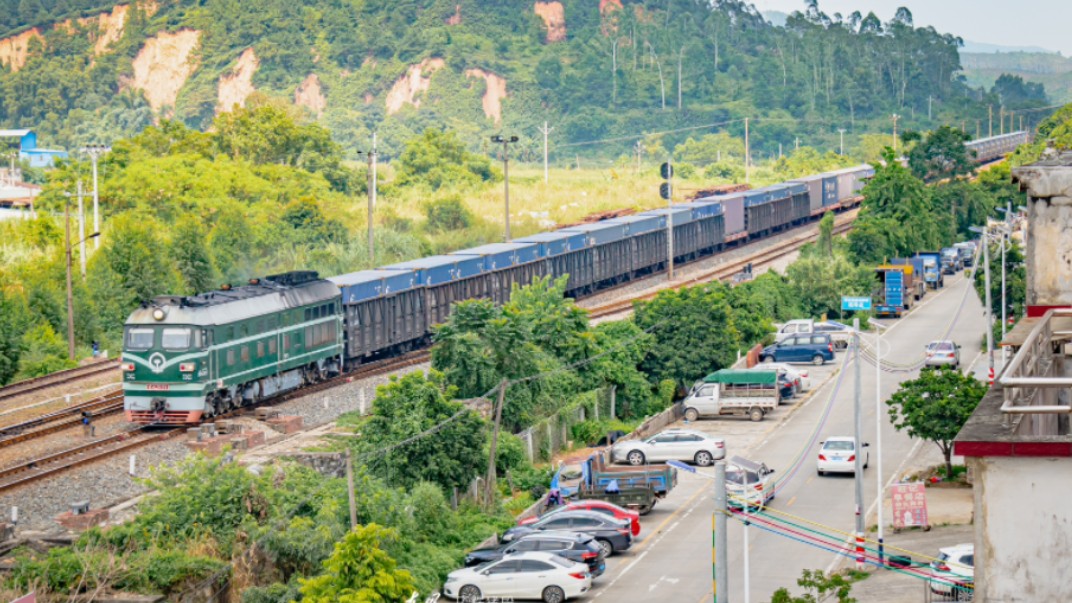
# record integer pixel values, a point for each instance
(673, 444)
(953, 573)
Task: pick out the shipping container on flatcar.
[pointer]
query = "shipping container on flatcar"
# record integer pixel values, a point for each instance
(733, 217)
(566, 253)
(822, 192)
(384, 312)
(611, 261)
(507, 264)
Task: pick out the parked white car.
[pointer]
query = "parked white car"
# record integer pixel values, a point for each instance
(953, 573)
(536, 576)
(839, 333)
(796, 374)
(673, 444)
(837, 454)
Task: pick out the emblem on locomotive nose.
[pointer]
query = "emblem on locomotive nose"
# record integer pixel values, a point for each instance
(156, 363)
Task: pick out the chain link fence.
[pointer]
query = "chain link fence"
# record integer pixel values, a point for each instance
(554, 433)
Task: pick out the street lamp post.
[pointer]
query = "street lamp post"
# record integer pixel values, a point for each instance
(95, 151)
(505, 141)
(70, 291)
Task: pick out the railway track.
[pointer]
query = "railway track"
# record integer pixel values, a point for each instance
(28, 471)
(57, 378)
(725, 271)
(108, 404)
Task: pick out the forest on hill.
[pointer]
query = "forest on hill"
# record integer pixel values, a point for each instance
(592, 70)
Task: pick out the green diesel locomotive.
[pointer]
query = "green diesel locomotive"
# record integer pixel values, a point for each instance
(189, 358)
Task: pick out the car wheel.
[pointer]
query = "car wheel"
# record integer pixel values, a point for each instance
(691, 415)
(553, 594)
(469, 594)
(756, 414)
(645, 509)
(605, 546)
(635, 457)
(766, 359)
(818, 360)
(703, 458)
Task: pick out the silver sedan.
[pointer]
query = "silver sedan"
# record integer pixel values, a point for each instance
(943, 353)
(673, 444)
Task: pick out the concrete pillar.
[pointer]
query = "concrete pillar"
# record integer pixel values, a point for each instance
(1048, 251)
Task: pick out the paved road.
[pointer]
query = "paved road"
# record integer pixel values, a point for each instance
(672, 562)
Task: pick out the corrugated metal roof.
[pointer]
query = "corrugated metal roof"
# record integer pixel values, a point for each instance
(14, 133)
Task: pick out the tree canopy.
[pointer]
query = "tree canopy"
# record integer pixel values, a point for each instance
(935, 406)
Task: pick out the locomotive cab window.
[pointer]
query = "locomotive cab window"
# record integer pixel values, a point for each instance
(139, 339)
(175, 339)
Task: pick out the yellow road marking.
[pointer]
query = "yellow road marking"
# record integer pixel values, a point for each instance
(791, 501)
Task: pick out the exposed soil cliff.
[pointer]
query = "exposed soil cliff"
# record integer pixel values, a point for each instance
(236, 86)
(163, 65)
(406, 89)
(494, 92)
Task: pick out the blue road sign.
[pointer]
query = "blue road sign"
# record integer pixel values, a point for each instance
(855, 303)
(682, 466)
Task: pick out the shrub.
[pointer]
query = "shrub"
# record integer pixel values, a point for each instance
(448, 213)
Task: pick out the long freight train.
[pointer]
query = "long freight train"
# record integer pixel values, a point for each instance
(190, 358)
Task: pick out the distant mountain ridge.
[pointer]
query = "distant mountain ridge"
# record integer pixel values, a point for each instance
(1049, 69)
(985, 48)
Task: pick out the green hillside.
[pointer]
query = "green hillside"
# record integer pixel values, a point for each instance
(594, 70)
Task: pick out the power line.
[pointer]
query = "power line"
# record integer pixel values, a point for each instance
(646, 134)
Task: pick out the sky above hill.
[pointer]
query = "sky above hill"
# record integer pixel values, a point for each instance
(1026, 23)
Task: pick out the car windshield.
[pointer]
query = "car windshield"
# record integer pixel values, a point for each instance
(175, 339)
(139, 339)
(740, 476)
(941, 346)
(838, 445)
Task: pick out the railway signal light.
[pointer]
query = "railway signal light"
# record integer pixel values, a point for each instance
(666, 190)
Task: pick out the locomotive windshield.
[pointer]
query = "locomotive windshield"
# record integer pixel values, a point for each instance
(139, 339)
(175, 339)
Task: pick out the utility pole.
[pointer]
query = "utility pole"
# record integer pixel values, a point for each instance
(747, 159)
(70, 295)
(841, 133)
(859, 448)
(989, 307)
(895, 118)
(68, 248)
(670, 221)
(489, 486)
(796, 143)
(639, 148)
(930, 99)
(95, 151)
(1001, 120)
(350, 488)
(978, 128)
(81, 231)
(372, 156)
(372, 198)
(545, 131)
(990, 121)
(719, 539)
(506, 140)
(1021, 123)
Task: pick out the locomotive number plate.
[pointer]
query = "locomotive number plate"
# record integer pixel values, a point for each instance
(158, 387)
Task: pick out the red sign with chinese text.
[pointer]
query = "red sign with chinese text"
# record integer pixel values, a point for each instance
(909, 505)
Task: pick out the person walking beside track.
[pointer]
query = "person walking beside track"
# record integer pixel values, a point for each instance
(88, 429)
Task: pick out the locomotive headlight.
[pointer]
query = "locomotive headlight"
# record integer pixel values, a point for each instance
(187, 367)
(127, 366)
(159, 314)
